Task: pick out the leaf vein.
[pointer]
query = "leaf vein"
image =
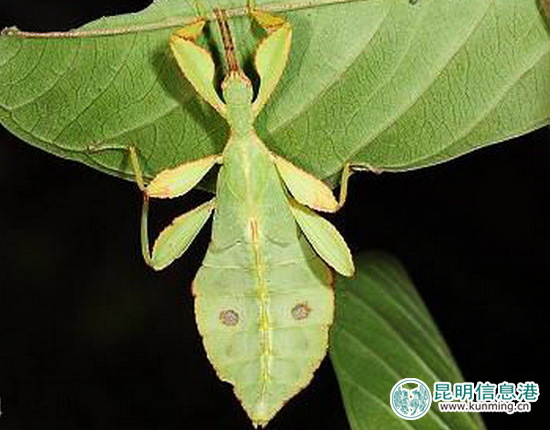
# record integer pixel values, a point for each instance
(336, 79)
(390, 368)
(52, 86)
(99, 95)
(491, 107)
(400, 112)
(398, 335)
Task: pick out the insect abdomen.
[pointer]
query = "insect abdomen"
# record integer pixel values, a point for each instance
(267, 360)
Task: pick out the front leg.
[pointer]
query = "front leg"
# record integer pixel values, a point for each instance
(272, 54)
(196, 63)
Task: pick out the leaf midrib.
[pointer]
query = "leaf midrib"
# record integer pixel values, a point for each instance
(170, 22)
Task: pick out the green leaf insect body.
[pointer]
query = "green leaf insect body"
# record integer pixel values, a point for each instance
(263, 295)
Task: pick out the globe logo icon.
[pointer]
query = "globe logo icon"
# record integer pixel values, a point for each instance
(410, 399)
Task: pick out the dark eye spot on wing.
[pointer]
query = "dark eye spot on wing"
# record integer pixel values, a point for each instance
(229, 317)
(301, 311)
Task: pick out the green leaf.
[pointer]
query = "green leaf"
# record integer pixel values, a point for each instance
(383, 333)
(386, 83)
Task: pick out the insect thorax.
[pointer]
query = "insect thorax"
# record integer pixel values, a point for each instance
(238, 93)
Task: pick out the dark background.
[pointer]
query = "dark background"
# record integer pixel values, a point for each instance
(91, 338)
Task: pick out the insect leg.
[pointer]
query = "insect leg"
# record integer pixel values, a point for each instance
(181, 179)
(138, 172)
(348, 170)
(311, 191)
(324, 238)
(196, 63)
(272, 54)
(144, 227)
(304, 187)
(176, 238)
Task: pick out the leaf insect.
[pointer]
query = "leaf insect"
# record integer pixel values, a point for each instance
(263, 295)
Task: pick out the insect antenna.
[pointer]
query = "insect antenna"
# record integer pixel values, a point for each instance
(228, 45)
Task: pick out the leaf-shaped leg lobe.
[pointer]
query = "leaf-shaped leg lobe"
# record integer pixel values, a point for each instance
(324, 238)
(178, 181)
(311, 191)
(306, 188)
(272, 54)
(196, 63)
(176, 238)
